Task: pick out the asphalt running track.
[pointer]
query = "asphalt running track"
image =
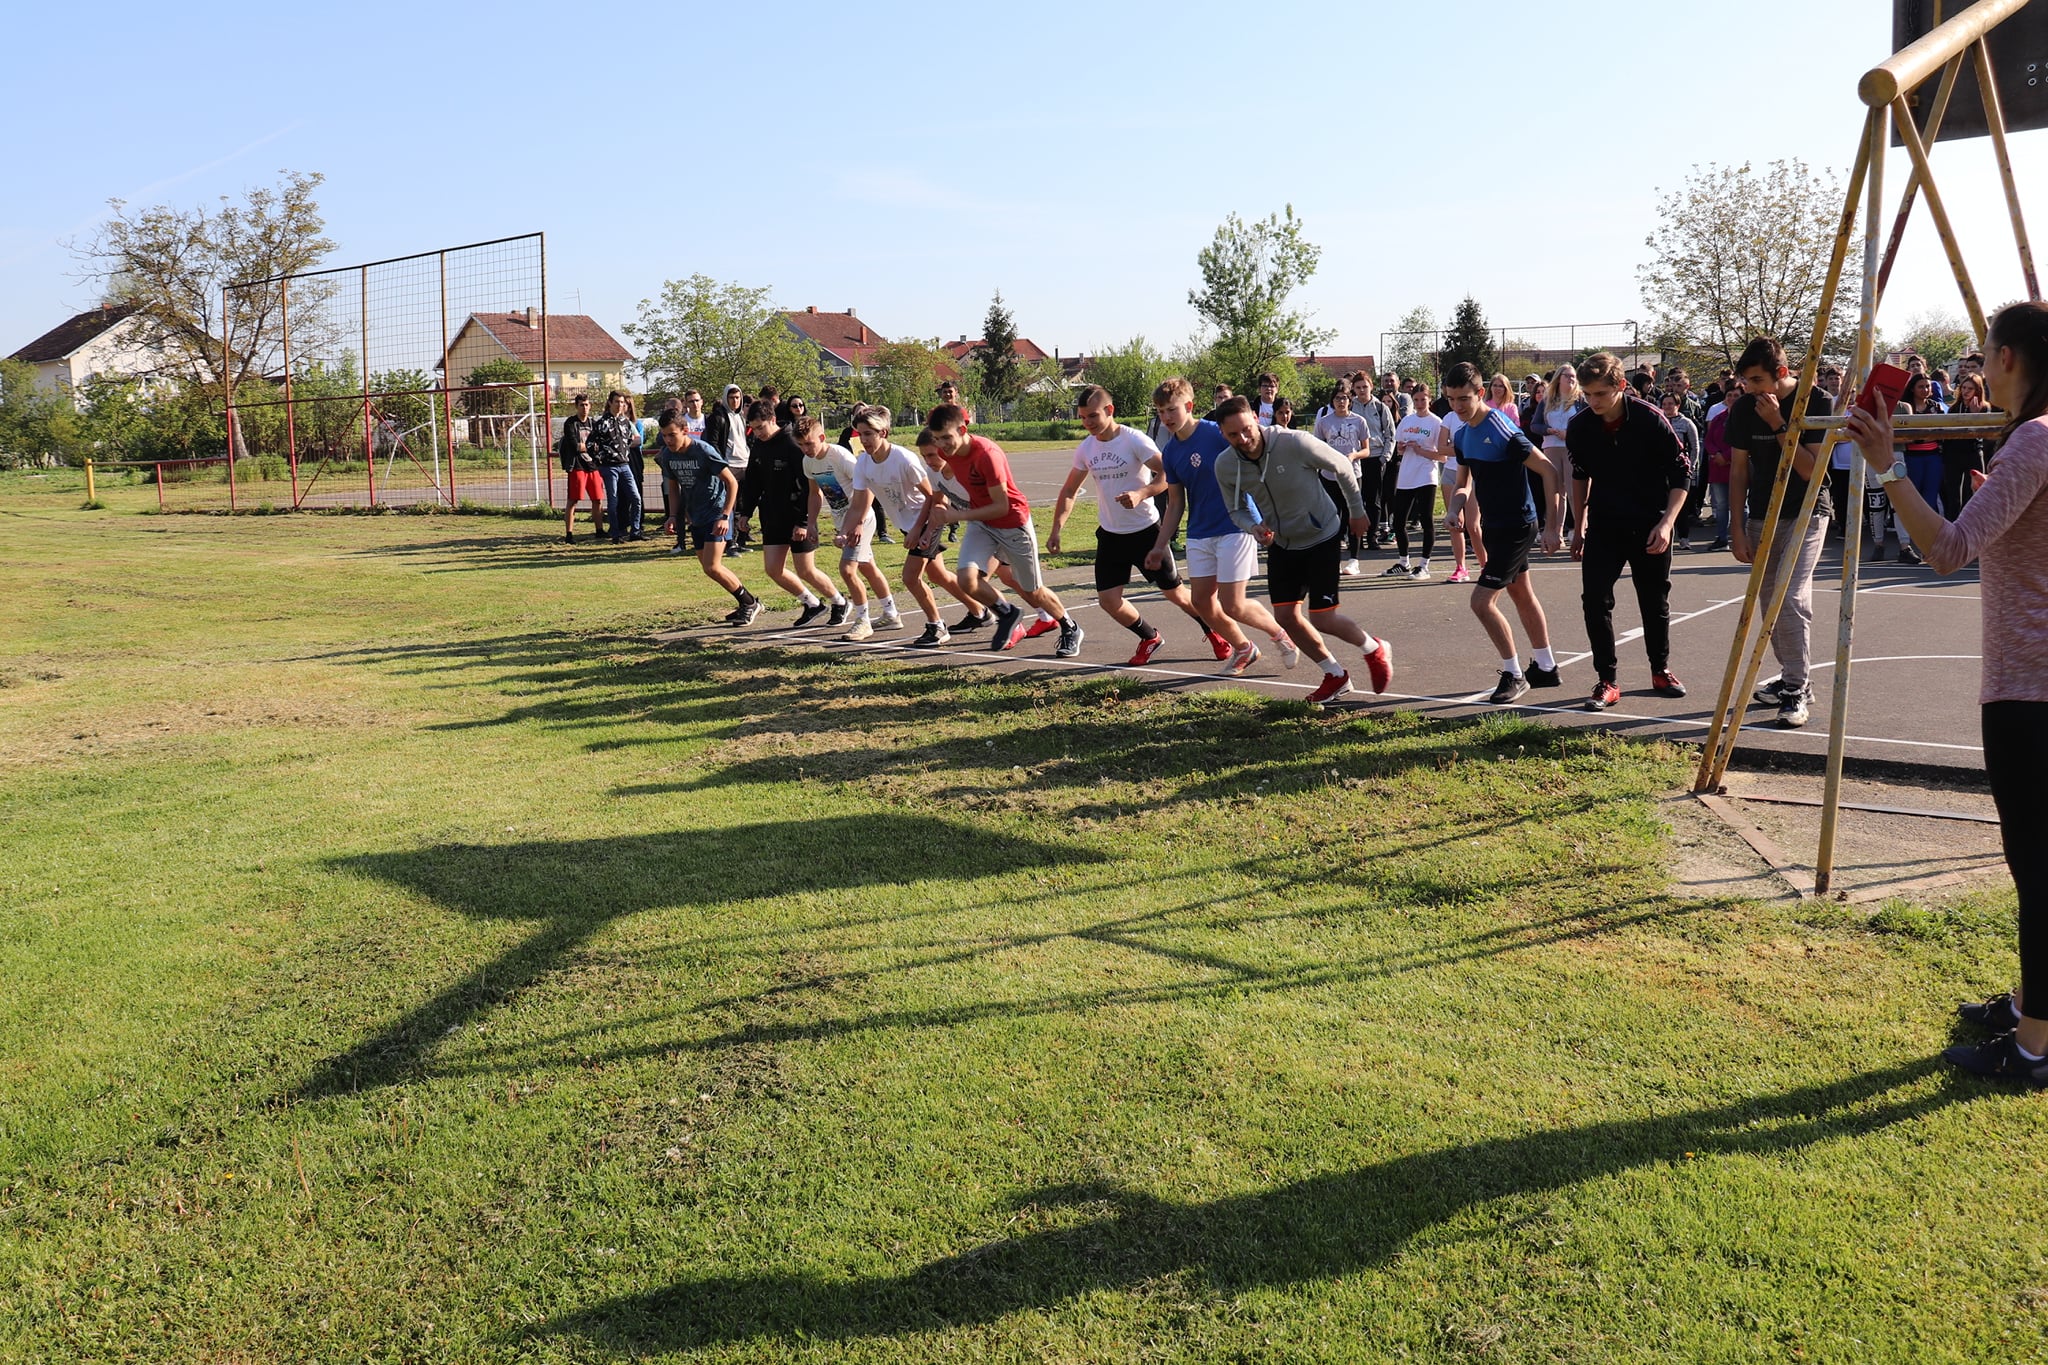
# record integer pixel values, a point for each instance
(1913, 702)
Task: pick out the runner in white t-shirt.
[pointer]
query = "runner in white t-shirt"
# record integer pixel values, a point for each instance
(830, 468)
(1128, 474)
(1418, 444)
(1461, 510)
(897, 480)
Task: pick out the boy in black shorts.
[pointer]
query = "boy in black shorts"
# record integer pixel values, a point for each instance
(1494, 462)
(1273, 487)
(776, 486)
(701, 490)
(1128, 474)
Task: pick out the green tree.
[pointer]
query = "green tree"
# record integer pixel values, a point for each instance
(1740, 253)
(1041, 390)
(176, 266)
(904, 375)
(36, 424)
(1469, 339)
(1939, 338)
(1411, 346)
(1248, 273)
(997, 357)
(1130, 372)
(700, 334)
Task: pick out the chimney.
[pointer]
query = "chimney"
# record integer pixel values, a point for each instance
(1055, 353)
(850, 313)
(810, 308)
(863, 334)
(532, 316)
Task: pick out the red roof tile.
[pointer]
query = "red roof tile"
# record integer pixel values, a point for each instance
(842, 334)
(68, 336)
(1339, 364)
(1027, 351)
(573, 338)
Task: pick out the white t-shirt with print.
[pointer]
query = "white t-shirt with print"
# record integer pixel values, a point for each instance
(1418, 431)
(1118, 465)
(832, 474)
(894, 480)
(1447, 472)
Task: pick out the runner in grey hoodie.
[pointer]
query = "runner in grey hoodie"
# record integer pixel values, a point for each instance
(1272, 482)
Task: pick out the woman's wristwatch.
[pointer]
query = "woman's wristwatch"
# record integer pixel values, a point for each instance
(1894, 474)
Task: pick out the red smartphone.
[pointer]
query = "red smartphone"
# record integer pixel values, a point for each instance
(1886, 385)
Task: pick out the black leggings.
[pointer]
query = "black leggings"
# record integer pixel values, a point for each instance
(2015, 752)
(1955, 482)
(1416, 502)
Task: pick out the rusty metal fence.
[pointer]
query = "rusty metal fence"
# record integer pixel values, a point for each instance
(416, 380)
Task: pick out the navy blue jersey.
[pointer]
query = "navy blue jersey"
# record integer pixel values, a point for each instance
(1494, 450)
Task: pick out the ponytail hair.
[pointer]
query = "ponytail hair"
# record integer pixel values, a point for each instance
(2024, 327)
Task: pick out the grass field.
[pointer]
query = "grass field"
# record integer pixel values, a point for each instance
(402, 957)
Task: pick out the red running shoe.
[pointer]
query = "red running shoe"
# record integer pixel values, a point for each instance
(1040, 627)
(1665, 683)
(1605, 694)
(1219, 644)
(1333, 686)
(1146, 649)
(1379, 665)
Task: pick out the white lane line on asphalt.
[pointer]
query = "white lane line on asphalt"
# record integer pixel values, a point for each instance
(1627, 636)
(936, 656)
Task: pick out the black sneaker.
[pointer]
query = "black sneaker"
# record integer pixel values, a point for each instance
(1511, 686)
(1909, 555)
(1770, 693)
(1542, 677)
(569, 538)
(885, 539)
(811, 613)
(1793, 709)
(1998, 1060)
(744, 614)
(973, 621)
(1071, 636)
(934, 635)
(1007, 617)
(840, 611)
(1998, 1013)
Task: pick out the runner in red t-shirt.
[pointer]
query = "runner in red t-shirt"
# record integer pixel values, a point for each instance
(995, 526)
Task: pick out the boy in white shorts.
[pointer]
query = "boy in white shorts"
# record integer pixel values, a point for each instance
(1221, 558)
(830, 469)
(897, 479)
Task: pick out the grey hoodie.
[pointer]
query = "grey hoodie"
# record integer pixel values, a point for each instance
(1283, 488)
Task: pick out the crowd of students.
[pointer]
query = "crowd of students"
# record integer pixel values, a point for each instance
(1617, 468)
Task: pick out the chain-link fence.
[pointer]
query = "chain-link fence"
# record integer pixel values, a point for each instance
(1520, 349)
(420, 379)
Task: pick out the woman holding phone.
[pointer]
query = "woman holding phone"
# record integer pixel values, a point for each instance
(2005, 530)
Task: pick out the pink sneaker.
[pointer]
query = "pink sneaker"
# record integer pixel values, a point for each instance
(1459, 575)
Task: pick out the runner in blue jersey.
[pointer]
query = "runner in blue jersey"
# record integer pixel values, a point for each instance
(1221, 558)
(1494, 462)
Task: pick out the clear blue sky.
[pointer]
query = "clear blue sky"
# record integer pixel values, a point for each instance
(866, 155)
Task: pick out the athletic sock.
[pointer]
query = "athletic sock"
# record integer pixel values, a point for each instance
(1280, 637)
(1331, 666)
(1045, 615)
(1141, 628)
(1370, 644)
(838, 599)
(809, 599)
(741, 595)
(889, 605)
(931, 618)
(1544, 659)
(1513, 666)
(860, 613)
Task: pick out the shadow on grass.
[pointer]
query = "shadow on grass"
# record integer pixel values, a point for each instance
(1313, 1229)
(577, 887)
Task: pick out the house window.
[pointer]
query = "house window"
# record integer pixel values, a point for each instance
(596, 379)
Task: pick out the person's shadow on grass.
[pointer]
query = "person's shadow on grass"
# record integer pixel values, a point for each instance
(1312, 1229)
(575, 887)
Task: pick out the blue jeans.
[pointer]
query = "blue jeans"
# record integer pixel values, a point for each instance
(621, 498)
(1717, 496)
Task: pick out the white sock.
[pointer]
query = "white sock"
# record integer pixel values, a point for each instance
(1545, 660)
(1370, 644)
(931, 618)
(1403, 561)
(1280, 637)
(1513, 666)
(889, 605)
(1331, 666)
(838, 598)
(860, 613)
(809, 598)
(1045, 615)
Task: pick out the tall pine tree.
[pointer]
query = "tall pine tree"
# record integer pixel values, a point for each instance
(997, 358)
(1469, 338)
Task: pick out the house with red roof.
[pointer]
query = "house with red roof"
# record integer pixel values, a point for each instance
(580, 354)
(847, 343)
(1026, 351)
(108, 340)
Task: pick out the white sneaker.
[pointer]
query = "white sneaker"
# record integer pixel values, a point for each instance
(1419, 572)
(1290, 653)
(861, 630)
(890, 621)
(1349, 568)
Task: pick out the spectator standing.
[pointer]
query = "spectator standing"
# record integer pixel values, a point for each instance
(615, 437)
(1962, 456)
(2005, 530)
(579, 462)
(1923, 458)
(1344, 431)
(1696, 472)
